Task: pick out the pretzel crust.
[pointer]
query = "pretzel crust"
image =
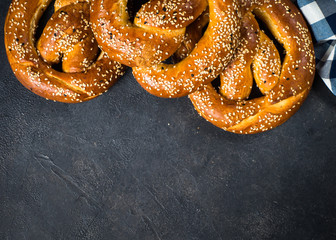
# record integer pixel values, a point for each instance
(284, 99)
(37, 75)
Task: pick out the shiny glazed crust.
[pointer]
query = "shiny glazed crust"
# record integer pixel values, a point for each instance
(36, 74)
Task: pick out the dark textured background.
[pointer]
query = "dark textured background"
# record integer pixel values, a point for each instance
(132, 166)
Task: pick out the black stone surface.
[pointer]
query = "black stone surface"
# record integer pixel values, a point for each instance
(128, 165)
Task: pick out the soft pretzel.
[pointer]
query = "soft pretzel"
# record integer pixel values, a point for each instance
(157, 31)
(67, 35)
(206, 61)
(285, 87)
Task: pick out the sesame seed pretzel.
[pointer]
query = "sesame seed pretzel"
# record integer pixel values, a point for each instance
(205, 62)
(154, 36)
(67, 38)
(284, 87)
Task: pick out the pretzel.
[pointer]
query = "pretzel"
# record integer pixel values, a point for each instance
(284, 87)
(206, 61)
(154, 36)
(68, 36)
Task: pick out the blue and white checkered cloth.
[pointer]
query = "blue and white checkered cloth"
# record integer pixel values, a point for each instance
(321, 15)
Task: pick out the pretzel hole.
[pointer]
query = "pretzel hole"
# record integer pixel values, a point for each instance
(133, 6)
(169, 60)
(58, 66)
(216, 83)
(255, 92)
(47, 14)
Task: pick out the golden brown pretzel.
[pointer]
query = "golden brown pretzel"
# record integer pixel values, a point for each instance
(284, 94)
(86, 81)
(207, 60)
(157, 31)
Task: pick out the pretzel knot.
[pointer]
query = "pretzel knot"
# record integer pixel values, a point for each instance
(284, 85)
(154, 36)
(67, 39)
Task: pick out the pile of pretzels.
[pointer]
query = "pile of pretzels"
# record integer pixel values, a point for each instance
(175, 48)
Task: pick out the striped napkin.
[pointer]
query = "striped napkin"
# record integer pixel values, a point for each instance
(321, 15)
